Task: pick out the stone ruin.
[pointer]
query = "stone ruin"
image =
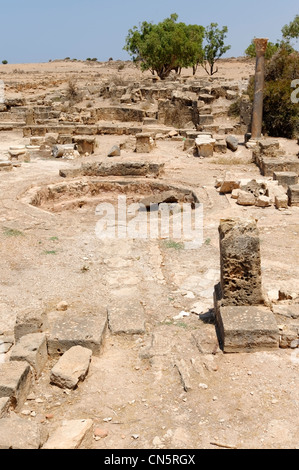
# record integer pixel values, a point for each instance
(245, 319)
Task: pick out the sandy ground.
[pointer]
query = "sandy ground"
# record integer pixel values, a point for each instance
(134, 390)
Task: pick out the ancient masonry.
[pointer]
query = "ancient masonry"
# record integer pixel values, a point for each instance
(245, 321)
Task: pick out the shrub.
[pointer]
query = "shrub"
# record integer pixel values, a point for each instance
(4, 62)
(72, 92)
(234, 109)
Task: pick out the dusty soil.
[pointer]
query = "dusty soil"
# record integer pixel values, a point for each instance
(134, 389)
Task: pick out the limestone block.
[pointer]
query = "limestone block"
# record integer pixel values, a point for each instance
(126, 317)
(246, 199)
(77, 329)
(246, 329)
(71, 368)
(30, 321)
(4, 406)
(85, 144)
(33, 349)
(18, 433)
(144, 143)
(293, 194)
(282, 201)
(263, 201)
(72, 434)
(15, 381)
(6, 166)
(241, 282)
(286, 178)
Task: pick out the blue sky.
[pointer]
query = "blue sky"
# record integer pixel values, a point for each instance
(36, 31)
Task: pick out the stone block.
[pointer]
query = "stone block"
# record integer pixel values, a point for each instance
(71, 368)
(293, 195)
(30, 321)
(72, 434)
(188, 144)
(4, 406)
(286, 178)
(78, 329)
(65, 139)
(31, 348)
(240, 261)
(246, 199)
(269, 166)
(206, 119)
(6, 166)
(282, 201)
(205, 145)
(220, 146)
(229, 184)
(206, 98)
(246, 329)
(15, 381)
(18, 433)
(144, 143)
(38, 131)
(126, 317)
(85, 144)
(263, 201)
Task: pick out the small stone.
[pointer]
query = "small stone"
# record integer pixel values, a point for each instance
(203, 386)
(114, 152)
(101, 433)
(62, 306)
(232, 143)
(49, 416)
(26, 412)
(33, 414)
(135, 436)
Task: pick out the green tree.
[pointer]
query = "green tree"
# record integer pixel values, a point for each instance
(270, 51)
(165, 46)
(291, 30)
(214, 47)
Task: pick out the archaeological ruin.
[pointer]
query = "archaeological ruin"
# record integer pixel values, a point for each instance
(142, 338)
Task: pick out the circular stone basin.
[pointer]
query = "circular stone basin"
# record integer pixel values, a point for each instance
(71, 195)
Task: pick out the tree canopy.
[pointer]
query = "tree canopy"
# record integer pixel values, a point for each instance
(165, 46)
(214, 47)
(291, 30)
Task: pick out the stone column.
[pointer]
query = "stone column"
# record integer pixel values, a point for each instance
(257, 115)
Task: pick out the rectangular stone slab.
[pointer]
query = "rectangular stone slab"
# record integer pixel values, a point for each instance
(33, 349)
(126, 317)
(293, 194)
(15, 381)
(71, 368)
(286, 178)
(78, 329)
(70, 435)
(18, 433)
(246, 329)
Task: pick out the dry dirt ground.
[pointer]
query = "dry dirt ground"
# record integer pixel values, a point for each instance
(133, 389)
